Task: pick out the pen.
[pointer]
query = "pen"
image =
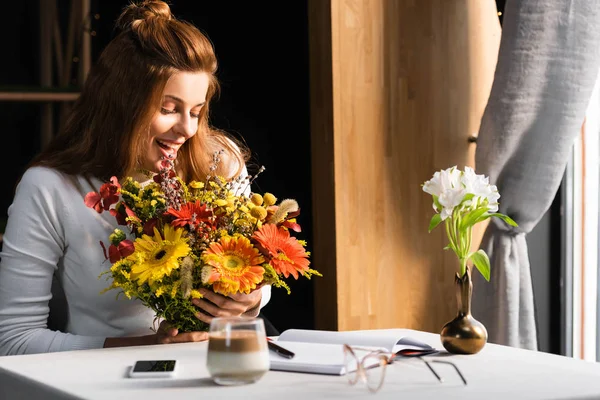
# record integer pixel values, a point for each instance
(280, 350)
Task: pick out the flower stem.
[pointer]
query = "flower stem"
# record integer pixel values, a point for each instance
(450, 234)
(460, 241)
(463, 266)
(469, 238)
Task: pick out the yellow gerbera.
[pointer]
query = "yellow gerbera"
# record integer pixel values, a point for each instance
(233, 265)
(156, 257)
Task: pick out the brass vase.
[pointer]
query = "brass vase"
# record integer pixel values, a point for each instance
(464, 334)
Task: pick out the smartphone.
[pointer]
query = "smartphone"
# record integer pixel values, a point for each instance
(153, 369)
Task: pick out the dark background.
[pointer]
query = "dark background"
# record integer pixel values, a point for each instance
(263, 69)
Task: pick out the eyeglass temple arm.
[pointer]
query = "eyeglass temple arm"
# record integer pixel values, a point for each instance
(449, 363)
(439, 378)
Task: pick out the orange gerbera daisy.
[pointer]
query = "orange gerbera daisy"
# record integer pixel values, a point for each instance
(287, 254)
(233, 265)
(191, 214)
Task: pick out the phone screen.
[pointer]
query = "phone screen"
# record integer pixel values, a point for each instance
(154, 366)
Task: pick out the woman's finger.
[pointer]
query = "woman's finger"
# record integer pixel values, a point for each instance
(204, 317)
(217, 299)
(186, 338)
(166, 329)
(191, 337)
(228, 308)
(248, 299)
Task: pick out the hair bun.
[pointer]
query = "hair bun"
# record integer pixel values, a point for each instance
(145, 11)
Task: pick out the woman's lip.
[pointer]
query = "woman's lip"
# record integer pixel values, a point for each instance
(171, 142)
(167, 154)
(171, 153)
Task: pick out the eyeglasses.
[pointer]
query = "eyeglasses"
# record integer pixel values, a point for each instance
(370, 368)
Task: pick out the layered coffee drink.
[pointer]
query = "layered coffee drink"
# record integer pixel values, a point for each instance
(237, 356)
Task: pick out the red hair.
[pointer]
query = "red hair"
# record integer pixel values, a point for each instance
(106, 131)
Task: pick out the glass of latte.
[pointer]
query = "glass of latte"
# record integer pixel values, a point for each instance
(237, 350)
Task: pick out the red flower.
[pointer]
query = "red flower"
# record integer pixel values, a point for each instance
(287, 254)
(124, 249)
(109, 195)
(191, 213)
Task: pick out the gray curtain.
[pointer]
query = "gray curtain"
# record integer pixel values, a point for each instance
(547, 66)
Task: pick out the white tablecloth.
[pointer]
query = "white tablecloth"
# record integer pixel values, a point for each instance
(496, 372)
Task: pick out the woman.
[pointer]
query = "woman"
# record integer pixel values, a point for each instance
(147, 98)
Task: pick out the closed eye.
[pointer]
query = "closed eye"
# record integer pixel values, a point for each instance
(167, 111)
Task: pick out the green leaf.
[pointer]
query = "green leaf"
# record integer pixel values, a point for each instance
(482, 262)
(435, 221)
(474, 217)
(467, 197)
(505, 218)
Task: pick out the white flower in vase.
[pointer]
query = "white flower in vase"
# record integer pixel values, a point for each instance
(462, 199)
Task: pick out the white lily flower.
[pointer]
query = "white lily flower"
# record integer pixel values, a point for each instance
(442, 181)
(449, 199)
(451, 186)
(479, 186)
(492, 198)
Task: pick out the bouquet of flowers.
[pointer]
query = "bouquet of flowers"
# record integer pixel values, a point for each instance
(187, 235)
(462, 199)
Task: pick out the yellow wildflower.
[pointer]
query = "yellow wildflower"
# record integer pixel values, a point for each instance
(269, 199)
(257, 199)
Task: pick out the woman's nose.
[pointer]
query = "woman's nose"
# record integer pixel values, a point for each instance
(187, 126)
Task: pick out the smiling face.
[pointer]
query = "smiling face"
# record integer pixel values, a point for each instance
(177, 119)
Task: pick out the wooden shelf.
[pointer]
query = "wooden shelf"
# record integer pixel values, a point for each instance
(38, 96)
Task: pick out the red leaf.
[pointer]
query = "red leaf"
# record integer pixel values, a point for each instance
(292, 225)
(113, 254)
(103, 250)
(293, 214)
(126, 248)
(110, 194)
(93, 200)
(119, 214)
(115, 182)
(149, 226)
(129, 212)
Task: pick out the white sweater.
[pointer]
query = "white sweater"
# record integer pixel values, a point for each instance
(52, 233)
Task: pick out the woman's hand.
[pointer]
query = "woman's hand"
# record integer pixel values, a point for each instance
(235, 305)
(165, 334)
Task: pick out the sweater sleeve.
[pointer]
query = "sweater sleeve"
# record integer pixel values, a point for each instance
(34, 242)
(266, 290)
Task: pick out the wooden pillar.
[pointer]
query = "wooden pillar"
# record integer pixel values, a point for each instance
(397, 88)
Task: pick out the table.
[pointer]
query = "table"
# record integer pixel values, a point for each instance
(496, 372)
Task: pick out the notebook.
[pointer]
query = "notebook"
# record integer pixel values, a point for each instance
(321, 352)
